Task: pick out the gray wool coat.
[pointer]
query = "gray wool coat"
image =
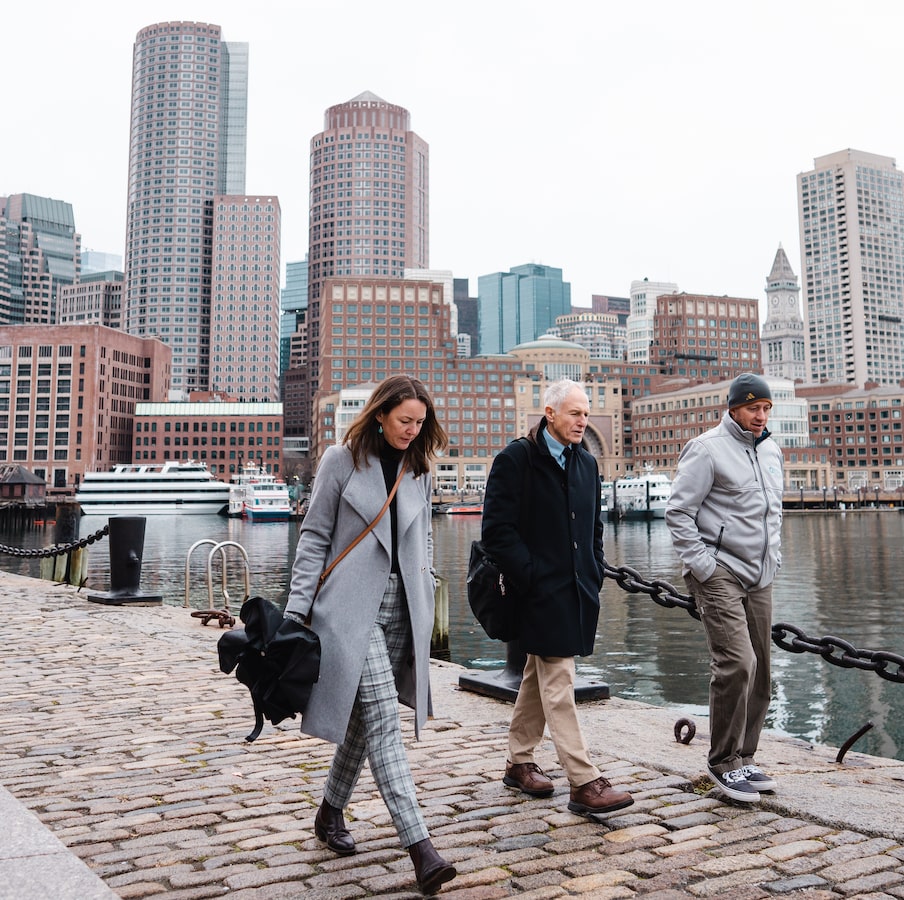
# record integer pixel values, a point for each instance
(343, 502)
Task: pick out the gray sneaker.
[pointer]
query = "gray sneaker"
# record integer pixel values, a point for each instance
(733, 784)
(758, 778)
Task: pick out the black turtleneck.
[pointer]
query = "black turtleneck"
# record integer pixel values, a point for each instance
(389, 460)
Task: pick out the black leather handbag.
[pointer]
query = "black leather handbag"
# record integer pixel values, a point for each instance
(490, 596)
(276, 658)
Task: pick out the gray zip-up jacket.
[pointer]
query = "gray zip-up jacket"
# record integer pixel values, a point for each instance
(726, 505)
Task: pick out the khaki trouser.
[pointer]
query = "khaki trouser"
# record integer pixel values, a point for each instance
(546, 697)
(738, 626)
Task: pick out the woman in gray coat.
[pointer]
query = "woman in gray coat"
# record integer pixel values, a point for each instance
(374, 614)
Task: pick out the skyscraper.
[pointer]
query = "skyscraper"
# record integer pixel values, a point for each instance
(293, 304)
(851, 216)
(518, 306)
(369, 205)
(186, 146)
(244, 302)
(39, 254)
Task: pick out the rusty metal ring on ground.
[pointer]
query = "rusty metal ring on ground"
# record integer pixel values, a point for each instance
(688, 736)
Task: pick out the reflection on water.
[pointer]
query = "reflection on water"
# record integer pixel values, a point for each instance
(841, 576)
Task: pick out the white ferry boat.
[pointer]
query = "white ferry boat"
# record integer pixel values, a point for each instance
(642, 496)
(153, 489)
(259, 496)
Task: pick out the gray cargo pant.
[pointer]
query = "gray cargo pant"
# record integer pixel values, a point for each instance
(738, 626)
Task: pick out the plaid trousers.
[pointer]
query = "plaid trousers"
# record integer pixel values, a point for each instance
(374, 730)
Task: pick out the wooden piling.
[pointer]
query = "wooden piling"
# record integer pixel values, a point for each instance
(439, 640)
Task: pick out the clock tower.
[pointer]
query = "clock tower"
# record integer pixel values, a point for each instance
(782, 343)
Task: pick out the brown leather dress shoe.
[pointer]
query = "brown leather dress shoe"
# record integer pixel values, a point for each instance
(527, 777)
(598, 797)
(329, 827)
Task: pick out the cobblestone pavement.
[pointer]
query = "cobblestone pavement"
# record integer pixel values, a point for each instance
(120, 734)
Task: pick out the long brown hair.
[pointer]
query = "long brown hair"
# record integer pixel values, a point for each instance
(364, 439)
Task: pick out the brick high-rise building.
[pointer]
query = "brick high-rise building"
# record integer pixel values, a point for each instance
(369, 206)
(186, 146)
(376, 327)
(244, 304)
(640, 320)
(705, 338)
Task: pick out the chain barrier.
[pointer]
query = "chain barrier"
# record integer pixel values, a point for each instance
(56, 549)
(834, 650)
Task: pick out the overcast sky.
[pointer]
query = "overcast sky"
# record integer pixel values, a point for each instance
(614, 140)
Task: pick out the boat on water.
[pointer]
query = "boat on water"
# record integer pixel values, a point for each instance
(259, 496)
(460, 509)
(174, 486)
(643, 496)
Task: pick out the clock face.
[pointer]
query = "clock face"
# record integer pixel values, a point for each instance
(775, 301)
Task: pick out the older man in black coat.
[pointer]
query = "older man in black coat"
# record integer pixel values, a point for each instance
(542, 523)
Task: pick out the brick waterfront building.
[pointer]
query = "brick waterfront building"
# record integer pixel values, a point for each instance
(483, 402)
(860, 431)
(705, 338)
(223, 433)
(68, 395)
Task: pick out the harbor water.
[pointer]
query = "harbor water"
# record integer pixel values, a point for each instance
(841, 576)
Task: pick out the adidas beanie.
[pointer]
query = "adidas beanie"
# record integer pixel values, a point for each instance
(748, 388)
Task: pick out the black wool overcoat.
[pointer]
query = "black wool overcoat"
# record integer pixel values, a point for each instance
(544, 528)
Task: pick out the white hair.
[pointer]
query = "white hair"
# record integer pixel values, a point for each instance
(559, 390)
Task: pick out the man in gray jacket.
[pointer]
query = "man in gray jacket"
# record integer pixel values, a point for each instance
(725, 516)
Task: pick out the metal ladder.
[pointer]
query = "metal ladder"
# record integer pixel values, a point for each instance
(223, 616)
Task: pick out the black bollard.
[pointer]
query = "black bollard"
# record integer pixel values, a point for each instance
(126, 547)
(504, 685)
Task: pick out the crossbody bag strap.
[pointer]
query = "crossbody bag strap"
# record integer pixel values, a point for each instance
(326, 572)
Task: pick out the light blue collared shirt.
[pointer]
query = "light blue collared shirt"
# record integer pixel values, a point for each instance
(557, 450)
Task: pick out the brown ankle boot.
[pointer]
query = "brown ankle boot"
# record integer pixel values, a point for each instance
(329, 826)
(430, 869)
